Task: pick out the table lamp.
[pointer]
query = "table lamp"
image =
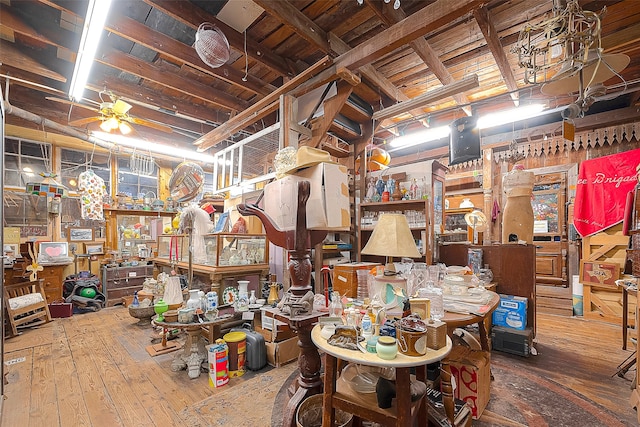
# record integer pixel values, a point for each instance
(392, 237)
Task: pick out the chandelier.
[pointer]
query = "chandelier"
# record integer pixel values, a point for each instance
(563, 39)
(565, 54)
(396, 3)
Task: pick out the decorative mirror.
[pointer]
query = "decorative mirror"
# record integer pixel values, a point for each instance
(186, 181)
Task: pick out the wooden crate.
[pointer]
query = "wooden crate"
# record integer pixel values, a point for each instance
(605, 303)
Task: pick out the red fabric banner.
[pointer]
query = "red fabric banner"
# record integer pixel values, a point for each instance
(601, 191)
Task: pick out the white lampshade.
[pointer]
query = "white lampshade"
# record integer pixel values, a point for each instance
(392, 238)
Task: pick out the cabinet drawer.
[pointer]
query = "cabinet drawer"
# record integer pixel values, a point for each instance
(125, 282)
(52, 273)
(121, 273)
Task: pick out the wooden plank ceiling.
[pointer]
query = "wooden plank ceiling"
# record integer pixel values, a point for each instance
(385, 56)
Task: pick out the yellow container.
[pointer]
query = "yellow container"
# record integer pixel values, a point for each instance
(237, 343)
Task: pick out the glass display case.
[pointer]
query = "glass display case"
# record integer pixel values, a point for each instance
(173, 247)
(236, 249)
(134, 232)
(222, 249)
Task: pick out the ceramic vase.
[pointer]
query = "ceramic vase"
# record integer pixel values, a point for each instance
(194, 299)
(243, 296)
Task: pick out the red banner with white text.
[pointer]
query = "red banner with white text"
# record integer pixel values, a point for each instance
(601, 191)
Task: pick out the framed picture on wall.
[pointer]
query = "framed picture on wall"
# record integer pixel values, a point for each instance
(80, 234)
(94, 248)
(53, 251)
(598, 273)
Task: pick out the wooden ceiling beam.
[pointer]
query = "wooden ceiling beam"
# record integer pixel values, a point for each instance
(495, 46)
(193, 16)
(137, 32)
(258, 110)
(17, 59)
(147, 71)
(150, 98)
(428, 19)
(465, 84)
(423, 49)
(12, 22)
(290, 16)
(332, 107)
(328, 43)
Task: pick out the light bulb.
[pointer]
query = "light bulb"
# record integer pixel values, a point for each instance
(125, 128)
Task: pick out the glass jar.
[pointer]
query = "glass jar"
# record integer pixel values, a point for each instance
(436, 299)
(387, 348)
(335, 308)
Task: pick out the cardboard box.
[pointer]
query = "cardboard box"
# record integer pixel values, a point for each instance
(328, 204)
(345, 278)
(472, 372)
(277, 335)
(279, 353)
(511, 312)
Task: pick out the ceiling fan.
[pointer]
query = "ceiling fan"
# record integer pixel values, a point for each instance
(113, 115)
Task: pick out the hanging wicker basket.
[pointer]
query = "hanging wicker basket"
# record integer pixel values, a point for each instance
(211, 45)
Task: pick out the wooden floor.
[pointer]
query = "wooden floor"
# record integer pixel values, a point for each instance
(92, 370)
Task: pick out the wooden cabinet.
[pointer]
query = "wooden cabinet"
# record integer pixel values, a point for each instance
(118, 282)
(52, 277)
(417, 213)
(456, 228)
(549, 230)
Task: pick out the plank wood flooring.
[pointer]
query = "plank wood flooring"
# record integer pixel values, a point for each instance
(93, 370)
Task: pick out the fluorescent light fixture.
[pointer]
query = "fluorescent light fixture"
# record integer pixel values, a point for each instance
(154, 147)
(421, 137)
(510, 116)
(91, 32)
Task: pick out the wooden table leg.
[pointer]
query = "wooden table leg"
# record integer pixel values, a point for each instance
(403, 397)
(421, 375)
(330, 374)
(484, 341)
(625, 316)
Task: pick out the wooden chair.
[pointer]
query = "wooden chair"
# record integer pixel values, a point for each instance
(26, 305)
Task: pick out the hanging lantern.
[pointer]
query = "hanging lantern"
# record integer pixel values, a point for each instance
(49, 187)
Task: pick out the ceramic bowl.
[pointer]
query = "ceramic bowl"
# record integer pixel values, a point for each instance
(261, 301)
(141, 312)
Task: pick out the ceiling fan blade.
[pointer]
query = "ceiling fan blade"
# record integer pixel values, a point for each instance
(86, 120)
(150, 124)
(120, 107)
(68, 102)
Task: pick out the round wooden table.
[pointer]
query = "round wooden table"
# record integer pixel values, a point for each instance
(457, 320)
(193, 353)
(365, 405)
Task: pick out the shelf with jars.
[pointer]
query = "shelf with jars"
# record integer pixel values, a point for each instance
(227, 255)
